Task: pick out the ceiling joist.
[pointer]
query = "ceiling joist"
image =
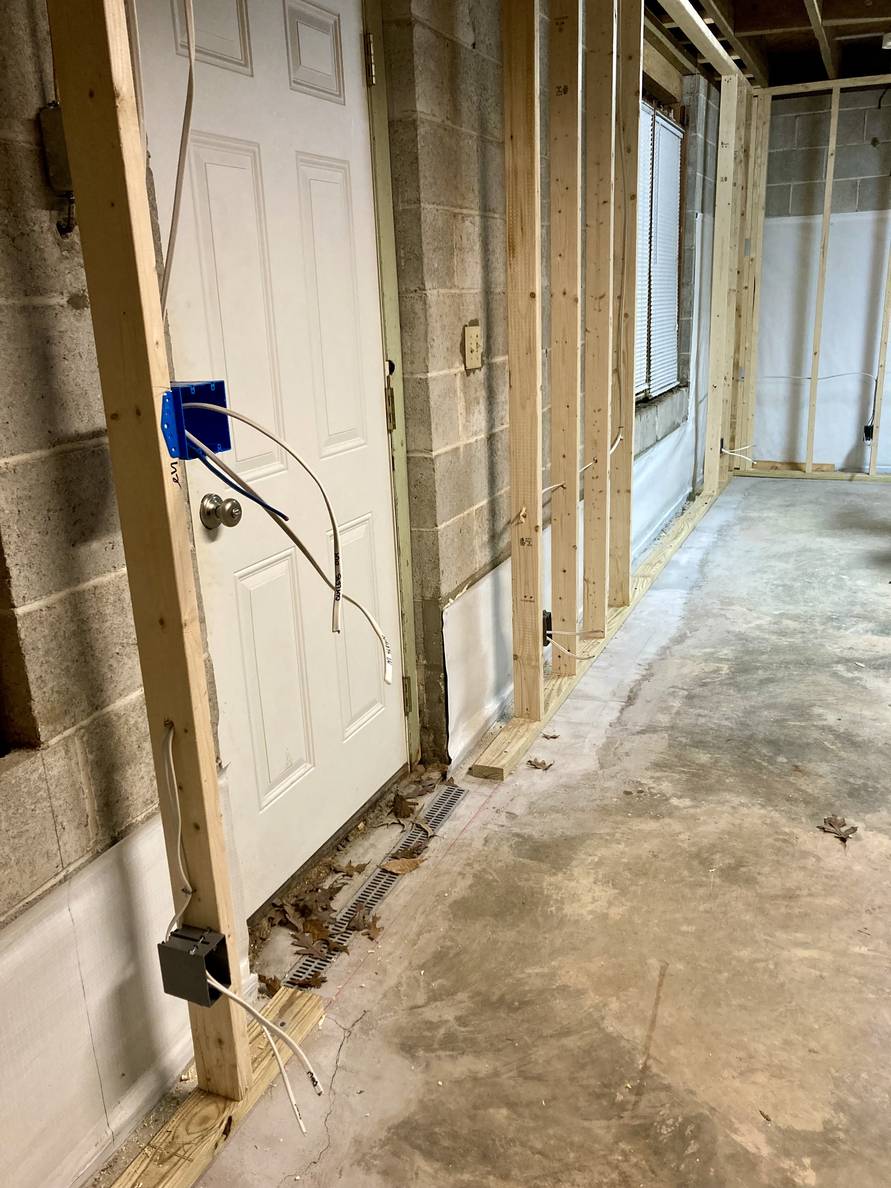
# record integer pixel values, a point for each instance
(828, 50)
(694, 28)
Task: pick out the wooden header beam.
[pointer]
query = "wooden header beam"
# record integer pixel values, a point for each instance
(95, 82)
(565, 84)
(522, 163)
(694, 27)
(830, 84)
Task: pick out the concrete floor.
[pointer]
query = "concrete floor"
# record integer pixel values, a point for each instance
(646, 966)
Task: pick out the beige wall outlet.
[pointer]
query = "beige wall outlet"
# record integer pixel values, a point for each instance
(473, 347)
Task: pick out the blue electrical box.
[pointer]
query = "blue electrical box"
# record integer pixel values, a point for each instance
(209, 427)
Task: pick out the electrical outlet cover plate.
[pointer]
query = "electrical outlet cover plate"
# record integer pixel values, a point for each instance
(208, 427)
(473, 347)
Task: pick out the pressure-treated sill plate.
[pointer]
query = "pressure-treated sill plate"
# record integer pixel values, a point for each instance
(184, 1147)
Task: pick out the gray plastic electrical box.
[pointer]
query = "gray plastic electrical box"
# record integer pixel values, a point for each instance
(187, 957)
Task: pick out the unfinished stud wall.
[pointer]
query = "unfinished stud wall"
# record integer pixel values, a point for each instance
(702, 103)
(77, 772)
(445, 94)
(799, 139)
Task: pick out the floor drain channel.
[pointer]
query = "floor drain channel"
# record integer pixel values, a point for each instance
(380, 884)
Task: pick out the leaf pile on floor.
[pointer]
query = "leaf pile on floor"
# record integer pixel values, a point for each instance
(838, 827)
(365, 921)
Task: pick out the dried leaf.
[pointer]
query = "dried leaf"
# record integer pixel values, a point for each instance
(317, 928)
(313, 949)
(269, 986)
(364, 921)
(312, 981)
(416, 849)
(838, 827)
(546, 734)
(401, 866)
(539, 764)
(425, 825)
(351, 868)
(403, 807)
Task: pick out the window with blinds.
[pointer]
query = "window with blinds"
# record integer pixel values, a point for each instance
(658, 253)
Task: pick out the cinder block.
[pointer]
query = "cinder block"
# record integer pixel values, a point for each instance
(404, 162)
(432, 412)
(797, 165)
(469, 474)
(851, 126)
(422, 492)
(777, 201)
(29, 850)
(27, 72)
(425, 248)
(118, 758)
(413, 319)
(18, 724)
(476, 23)
(51, 382)
(481, 252)
(811, 129)
(871, 97)
(782, 132)
(483, 396)
(807, 198)
(433, 331)
(874, 193)
(425, 561)
(59, 522)
(399, 59)
(35, 261)
(844, 196)
(73, 809)
(80, 654)
(878, 123)
(459, 170)
(456, 84)
(797, 104)
(864, 160)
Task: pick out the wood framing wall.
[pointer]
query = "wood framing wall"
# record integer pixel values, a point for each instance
(611, 89)
(753, 230)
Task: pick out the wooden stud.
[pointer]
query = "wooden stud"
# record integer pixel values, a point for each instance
(661, 76)
(600, 156)
(95, 84)
(628, 86)
(566, 287)
(880, 377)
(522, 157)
(724, 262)
(735, 296)
(821, 282)
(755, 229)
(696, 30)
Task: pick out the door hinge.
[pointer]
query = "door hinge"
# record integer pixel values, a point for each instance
(406, 695)
(370, 76)
(389, 394)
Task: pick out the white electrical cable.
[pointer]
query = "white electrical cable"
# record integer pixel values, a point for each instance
(565, 651)
(182, 159)
(173, 789)
(372, 622)
(335, 531)
(274, 1028)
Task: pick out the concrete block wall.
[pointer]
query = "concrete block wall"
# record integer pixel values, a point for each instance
(76, 770)
(799, 139)
(446, 140)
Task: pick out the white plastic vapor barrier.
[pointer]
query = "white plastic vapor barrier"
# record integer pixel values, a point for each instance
(855, 277)
(477, 624)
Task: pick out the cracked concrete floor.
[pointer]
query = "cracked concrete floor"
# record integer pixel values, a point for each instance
(646, 966)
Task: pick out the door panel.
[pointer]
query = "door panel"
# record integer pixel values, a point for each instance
(275, 289)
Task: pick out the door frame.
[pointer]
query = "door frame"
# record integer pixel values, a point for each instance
(392, 339)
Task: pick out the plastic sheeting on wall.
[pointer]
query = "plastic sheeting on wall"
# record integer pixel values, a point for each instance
(855, 277)
(477, 624)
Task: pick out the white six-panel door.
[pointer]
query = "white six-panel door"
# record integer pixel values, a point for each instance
(275, 289)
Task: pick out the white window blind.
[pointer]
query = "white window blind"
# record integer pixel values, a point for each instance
(658, 254)
(664, 259)
(642, 298)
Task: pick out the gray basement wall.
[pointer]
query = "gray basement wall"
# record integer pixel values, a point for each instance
(86, 1034)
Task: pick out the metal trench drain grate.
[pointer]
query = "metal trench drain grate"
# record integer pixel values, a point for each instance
(381, 882)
